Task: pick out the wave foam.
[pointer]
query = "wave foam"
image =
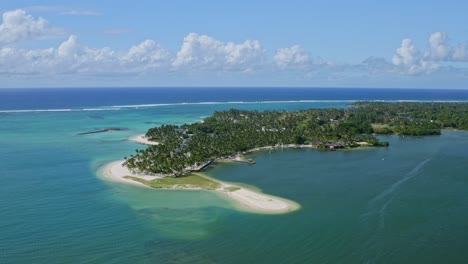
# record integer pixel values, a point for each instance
(138, 106)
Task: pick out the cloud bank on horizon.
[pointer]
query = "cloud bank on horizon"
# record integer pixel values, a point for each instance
(204, 55)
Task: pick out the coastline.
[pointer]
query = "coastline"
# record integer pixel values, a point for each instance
(258, 202)
(244, 198)
(142, 139)
(115, 171)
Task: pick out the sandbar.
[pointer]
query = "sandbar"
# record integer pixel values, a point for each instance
(244, 198)
(116, 171)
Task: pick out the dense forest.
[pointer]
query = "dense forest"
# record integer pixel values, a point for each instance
(231, 132)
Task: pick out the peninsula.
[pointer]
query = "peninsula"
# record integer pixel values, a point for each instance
(244, 198)
(176, 154)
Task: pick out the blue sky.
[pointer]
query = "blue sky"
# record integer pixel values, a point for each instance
(234, 43)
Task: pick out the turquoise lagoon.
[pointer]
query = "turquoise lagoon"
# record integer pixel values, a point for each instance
(404, 204)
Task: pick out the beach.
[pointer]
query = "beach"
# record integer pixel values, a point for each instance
(355, 205)
(245, 199)
(116, 171)
(258, 202)
(142, 139)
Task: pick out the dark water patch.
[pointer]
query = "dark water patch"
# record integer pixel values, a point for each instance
(111, 129)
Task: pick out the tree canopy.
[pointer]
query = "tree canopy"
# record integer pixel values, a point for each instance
(234, 131)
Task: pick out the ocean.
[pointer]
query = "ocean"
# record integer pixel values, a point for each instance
(402, 204)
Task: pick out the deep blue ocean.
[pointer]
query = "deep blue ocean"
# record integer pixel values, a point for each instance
(76, 98)
(407, 203)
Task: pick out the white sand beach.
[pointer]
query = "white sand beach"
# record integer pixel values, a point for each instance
(258, 202)
(246, 199)
(116, 171)
(142, 139)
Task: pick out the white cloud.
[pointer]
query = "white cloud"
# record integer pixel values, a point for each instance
(72, 57)
(438, 46)
(72, 12)
(411, 61)
(70, 48)
(377, 65)
(297, 58)
(17, 26)
(294, 56)
(441, 51)
(460, 53)
(146, 56)
(407, 54)
(62, 10)
(202, 52)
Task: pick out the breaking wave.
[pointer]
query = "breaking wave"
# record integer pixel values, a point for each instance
(140, 106)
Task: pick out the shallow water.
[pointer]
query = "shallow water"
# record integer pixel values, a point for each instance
(402, 204)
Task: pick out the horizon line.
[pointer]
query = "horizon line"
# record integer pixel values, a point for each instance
(230, 87)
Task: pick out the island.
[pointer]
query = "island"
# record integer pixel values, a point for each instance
(176, 155)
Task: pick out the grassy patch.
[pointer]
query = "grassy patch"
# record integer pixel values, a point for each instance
(189, 181)
(379, 126)
(382, 128)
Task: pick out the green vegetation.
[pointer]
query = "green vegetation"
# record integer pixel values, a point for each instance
(412, 118)
(184, 182)
(227, 133)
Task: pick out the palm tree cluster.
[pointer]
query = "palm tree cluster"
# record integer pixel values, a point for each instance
(228, 133)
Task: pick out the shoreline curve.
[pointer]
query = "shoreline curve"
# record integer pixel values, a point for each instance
(142, 139)
(244, 198)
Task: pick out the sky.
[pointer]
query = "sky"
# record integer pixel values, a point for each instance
(401, 44)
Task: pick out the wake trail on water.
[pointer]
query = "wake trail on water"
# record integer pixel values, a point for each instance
(378, 205)
(395, 185)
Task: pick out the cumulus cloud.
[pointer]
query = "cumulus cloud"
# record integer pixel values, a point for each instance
(72, 57)
(438, 46)
(294, 56)
(17, 26)
(297, 58)
(146, 56)
(202, 52)
(407, 54)
(411, 60)
(199, 53)
(441, 51)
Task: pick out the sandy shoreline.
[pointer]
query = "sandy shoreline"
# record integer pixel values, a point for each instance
(116, 171)
(246, 199)
(142, 139)
(258, 202)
